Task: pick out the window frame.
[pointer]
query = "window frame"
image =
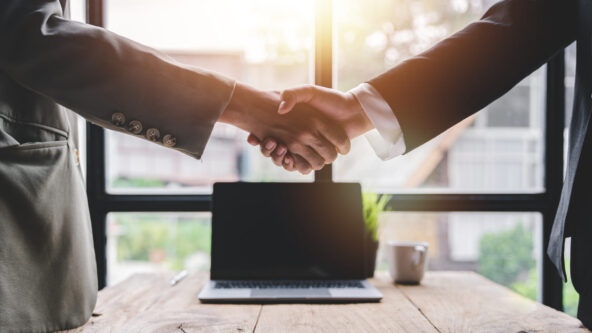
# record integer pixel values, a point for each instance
(101, 203)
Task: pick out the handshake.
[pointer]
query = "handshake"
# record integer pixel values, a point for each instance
(301, 129)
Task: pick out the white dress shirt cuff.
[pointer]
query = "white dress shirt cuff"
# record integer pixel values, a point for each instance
(387, 139)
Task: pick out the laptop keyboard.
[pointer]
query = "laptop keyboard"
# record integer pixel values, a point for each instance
(288, 284)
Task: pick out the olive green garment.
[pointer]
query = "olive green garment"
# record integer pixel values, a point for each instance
(47, 64)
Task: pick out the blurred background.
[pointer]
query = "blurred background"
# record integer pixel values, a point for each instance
(270, 45)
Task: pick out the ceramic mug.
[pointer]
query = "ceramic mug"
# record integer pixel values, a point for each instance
(407, 261)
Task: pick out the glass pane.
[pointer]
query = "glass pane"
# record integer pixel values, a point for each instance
(77, 10)
(499, 150)
(266, 43)
(157, 242)
(504, 247)
(570, 295)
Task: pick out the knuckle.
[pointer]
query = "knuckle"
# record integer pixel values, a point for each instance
(317, 164)
(265, 152)
(296, 147)
(286, 94)
(332, 156)
(346, 146)
(304, 134)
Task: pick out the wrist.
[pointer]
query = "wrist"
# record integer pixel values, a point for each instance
(233, 114)
(358, 122)
(248, 107)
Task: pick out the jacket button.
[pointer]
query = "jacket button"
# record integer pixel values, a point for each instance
(152, 134)
(169, 140)
(118, 119)
(135, 127)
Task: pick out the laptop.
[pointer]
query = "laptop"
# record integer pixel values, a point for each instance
(287, 242)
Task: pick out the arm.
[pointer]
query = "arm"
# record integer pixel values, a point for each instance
(117, 83)
(460, 75)
(465, 72)
(97, 73)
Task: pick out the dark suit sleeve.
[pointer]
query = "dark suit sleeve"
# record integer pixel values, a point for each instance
(462, 74)
(97, 73)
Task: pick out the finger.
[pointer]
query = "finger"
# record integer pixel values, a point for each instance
(302, 165)
(290, 97)
(318, 97)
(268, 146)
(337, 137)
(324, 148)
(289, 162)
(280, 151)
(253, 140)
(310, 155)
(278, 154)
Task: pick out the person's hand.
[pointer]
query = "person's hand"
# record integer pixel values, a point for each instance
(310, 137)
(342, 108)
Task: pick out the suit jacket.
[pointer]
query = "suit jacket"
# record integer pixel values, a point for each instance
(47, 266)
(470, 69)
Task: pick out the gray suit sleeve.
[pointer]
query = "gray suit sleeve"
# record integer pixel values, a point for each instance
(99, 74)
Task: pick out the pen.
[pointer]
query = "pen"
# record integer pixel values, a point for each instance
(177, 278)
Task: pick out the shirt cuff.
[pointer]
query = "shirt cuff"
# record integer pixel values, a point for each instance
(387, 139)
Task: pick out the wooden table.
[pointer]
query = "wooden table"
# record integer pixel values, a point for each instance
(445, 302)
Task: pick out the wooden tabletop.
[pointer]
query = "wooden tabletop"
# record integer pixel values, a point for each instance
(444, 302)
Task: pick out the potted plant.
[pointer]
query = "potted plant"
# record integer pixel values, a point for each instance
(372, 204)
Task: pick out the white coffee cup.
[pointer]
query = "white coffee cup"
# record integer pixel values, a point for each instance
(407, 261)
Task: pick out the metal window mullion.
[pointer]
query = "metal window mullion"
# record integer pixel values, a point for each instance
(535, 202)
(323, 53)
(95, 169)
(157, 203)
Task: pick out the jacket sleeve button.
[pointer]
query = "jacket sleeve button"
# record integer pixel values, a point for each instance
(134, 127)
(169, 140)
(152, 134)
(118, 119)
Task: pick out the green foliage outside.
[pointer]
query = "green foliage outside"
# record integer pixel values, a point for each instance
(136, 182)
(570, 295)
(506, 258)
(528, 286)
(143, 235)
(394, 23)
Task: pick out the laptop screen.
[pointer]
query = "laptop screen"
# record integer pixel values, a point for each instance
(287, 231)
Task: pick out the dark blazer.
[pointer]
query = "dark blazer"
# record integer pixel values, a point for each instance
(48, 276)
(470, 69)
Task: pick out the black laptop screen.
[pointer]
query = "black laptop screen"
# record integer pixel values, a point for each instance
(287, 231)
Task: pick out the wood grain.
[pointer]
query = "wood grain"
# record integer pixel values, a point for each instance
(393, 314)
(468, 302)
(444, 302)
(147, 303)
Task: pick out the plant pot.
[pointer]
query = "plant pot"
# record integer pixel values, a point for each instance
(371, 247)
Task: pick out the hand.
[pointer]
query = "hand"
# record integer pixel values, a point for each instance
(312, 139)
(342, 108)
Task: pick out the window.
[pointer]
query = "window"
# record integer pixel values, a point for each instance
(156, 242)
(501, 246)
(495, 177)
(242, 47)
(500, 149)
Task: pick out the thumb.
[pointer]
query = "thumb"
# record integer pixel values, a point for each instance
(290, 97)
